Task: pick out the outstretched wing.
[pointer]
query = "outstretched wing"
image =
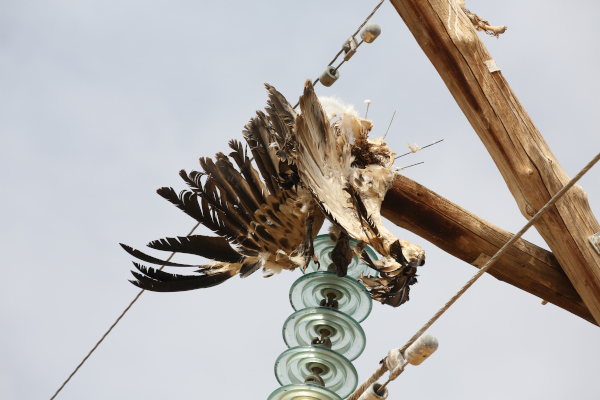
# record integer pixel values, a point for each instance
(259, 219)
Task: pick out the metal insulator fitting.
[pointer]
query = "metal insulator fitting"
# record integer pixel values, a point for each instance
(330, 302)
(372, 392)
(315, 380)
(421, 349)
(324, 342)
(329, 76)
(370, 32)
(349, 47)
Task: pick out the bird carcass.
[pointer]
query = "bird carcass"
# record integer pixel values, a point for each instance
(267, 207)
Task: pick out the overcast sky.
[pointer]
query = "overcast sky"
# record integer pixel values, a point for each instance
(103, 102)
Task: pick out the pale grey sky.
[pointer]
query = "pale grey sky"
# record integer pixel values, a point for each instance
(105, 101)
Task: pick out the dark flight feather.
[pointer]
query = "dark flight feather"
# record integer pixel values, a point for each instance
(259, 222)
(158, 274)
(360, 208)
(396, 253)
(367, 259)
(215, 248)
(249, 268)
(180, 283)
(250, 175)
(194, 180)
(153, 260)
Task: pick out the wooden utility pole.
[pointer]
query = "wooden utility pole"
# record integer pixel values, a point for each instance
(532, 173)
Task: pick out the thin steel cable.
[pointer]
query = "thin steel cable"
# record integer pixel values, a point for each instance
(358, 30)
(336, 57)
(412, 152)
(412, 165)
(112, 326)
(338, 67)
(370, 380)
(383, 368)
(368, 18)
(342, 50)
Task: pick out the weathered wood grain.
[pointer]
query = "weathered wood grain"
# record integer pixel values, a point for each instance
(532, 173)
(474, 240)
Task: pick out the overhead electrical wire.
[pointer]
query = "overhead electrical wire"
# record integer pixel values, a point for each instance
(342, 50)
(112, 326)
(383, 368)
(193, 229)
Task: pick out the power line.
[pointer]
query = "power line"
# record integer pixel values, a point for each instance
(112, 326)
(342, 50)
(383, 368)
(193, 229)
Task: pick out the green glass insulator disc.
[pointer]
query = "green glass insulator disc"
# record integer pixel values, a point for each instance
(323, 248)
(352, 297)
(303, 391)
(295, 364)
(346, 335)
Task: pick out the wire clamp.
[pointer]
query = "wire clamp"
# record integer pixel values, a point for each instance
(349, 47)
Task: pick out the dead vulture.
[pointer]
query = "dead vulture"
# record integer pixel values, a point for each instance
(268, 208)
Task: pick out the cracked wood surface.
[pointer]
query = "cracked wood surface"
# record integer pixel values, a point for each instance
(530, 170)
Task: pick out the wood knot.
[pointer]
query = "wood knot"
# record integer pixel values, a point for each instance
(530, 211)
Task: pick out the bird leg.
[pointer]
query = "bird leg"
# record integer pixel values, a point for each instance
(342, 254)
(306, 248)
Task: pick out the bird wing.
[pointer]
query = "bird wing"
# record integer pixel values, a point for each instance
(349, 176)
(261, 222)
(324, 162)
(349, 196)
